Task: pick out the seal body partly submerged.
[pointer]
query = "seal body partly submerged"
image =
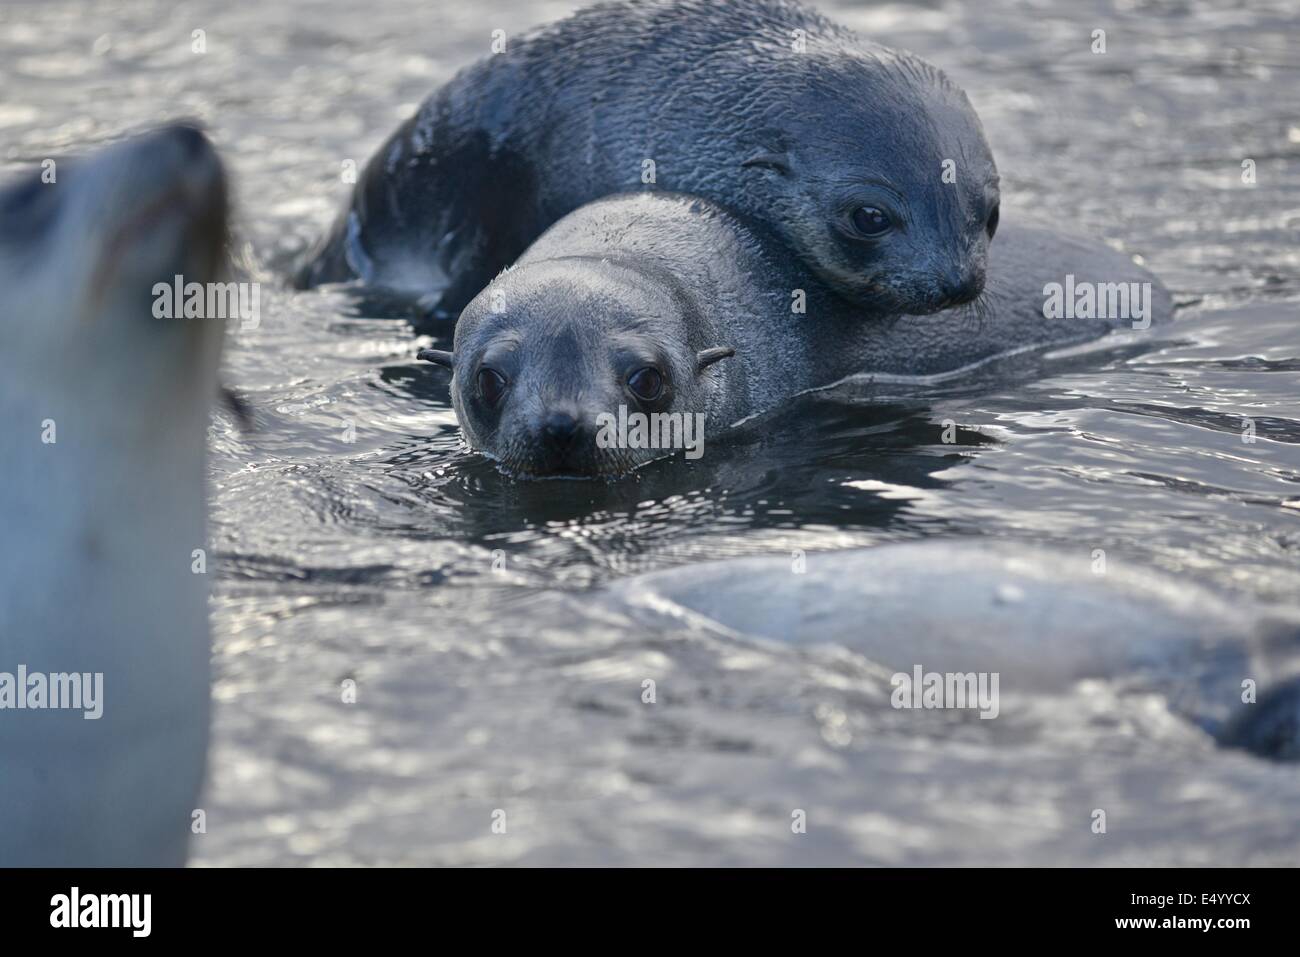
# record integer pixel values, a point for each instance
(867, 163)
(1040, 617)
(104, 649)
(663, 303)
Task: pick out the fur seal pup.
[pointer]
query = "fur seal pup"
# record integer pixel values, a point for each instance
(662, 303)
(867, 163)
(103, 422)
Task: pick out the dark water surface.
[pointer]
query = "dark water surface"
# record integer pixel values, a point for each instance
(487, 677)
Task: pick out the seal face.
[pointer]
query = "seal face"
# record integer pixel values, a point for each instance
(867, 163)
(103, 421)
(629, 304)
(553, 351)
(893, 202)
(88, 238)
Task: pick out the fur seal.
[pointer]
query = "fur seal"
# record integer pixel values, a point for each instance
(1041, 616)
(103, 424)
(664, 303)
(868, 163)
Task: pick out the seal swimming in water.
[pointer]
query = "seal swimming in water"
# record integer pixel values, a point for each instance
(1041, 616)
(662, 303)
(867, 163)
(103, 420)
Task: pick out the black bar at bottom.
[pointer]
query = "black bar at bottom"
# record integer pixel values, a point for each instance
(336, 906)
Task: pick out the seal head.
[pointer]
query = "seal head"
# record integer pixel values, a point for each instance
(894, 204)
(551, 348)
(90, 237)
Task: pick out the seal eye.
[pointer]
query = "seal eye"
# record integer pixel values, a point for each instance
(646, 384)
(491, 385)
(870, 222)
(992, 225)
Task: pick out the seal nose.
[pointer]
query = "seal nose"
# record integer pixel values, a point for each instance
(958, 288)
(560, 429)
(189, 138)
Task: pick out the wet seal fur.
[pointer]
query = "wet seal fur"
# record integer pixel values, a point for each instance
(680, 286)
(100, 523)
(1158, 633)
(840, 146)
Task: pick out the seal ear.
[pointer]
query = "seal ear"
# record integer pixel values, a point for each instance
(706, 357)
(777, 162)
(439, 356)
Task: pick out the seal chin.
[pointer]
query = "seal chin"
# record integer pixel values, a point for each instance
(540, 466)
(543, 457)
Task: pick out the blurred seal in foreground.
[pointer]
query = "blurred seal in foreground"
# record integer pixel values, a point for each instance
(103, 420)
(659, 304)
(868, 163)
(1041, 618)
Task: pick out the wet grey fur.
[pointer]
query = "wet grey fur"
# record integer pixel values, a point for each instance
(1042, 618)
(648, 279)
(716, 95)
